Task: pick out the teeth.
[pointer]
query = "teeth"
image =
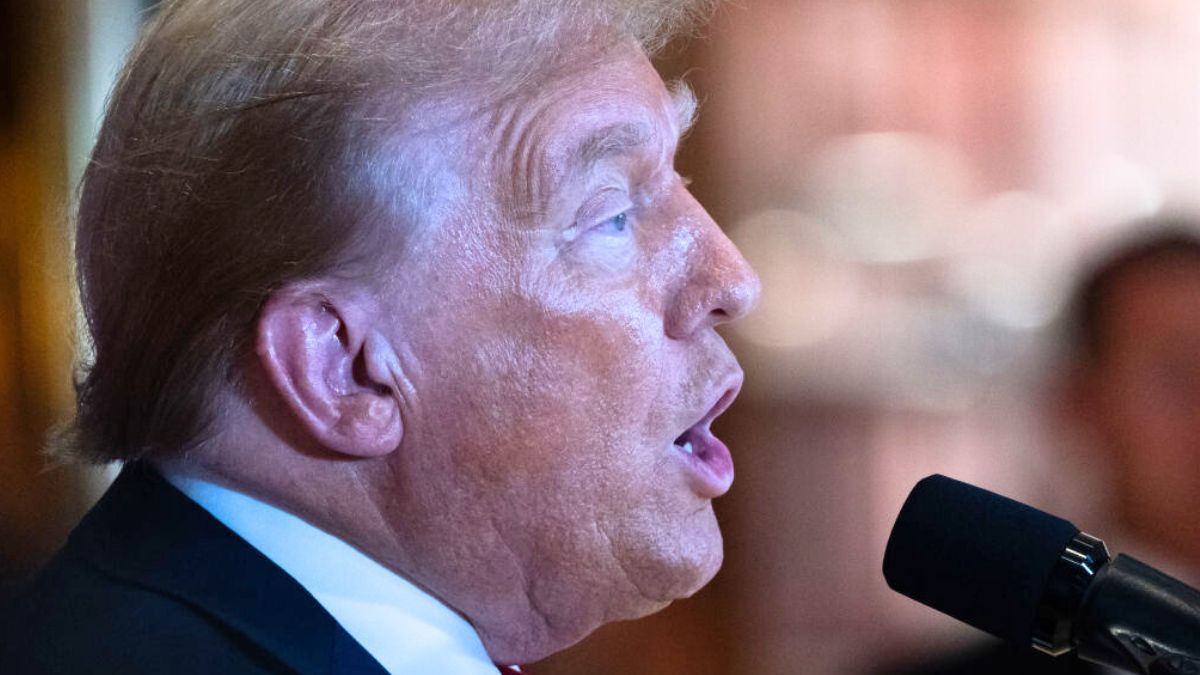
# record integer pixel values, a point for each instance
(687, 447)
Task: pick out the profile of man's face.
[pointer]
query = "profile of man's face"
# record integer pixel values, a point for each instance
(558, 332)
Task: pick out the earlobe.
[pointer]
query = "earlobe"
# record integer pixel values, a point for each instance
(321, 358)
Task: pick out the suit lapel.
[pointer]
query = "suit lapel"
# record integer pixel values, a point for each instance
(146, 532)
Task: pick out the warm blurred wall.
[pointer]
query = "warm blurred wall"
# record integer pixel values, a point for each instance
(915, 180)
(37, 504)
(911, 177)
(60, 58)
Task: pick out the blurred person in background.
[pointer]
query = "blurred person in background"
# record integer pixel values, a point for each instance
(404, 330)
(1132, 391)
(1127, 406)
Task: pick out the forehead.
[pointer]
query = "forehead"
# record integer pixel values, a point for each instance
(620, 95)
(607, 106)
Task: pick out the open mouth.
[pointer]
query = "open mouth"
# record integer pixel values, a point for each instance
(691, 441)
(708, 460)
(685, 444)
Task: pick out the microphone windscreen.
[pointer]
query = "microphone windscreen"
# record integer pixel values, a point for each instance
(975, 555)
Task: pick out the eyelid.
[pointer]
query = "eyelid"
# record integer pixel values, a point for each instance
(597, 210)
(605, 204)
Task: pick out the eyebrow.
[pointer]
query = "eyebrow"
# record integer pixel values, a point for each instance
(610, 141)
(618, 139)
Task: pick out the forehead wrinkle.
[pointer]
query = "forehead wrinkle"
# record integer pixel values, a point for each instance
(533, 142)
(516, 149)
(540, 173)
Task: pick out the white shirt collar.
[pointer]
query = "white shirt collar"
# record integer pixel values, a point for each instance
(403, 627)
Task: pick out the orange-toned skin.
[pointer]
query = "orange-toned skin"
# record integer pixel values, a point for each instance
(494, 419)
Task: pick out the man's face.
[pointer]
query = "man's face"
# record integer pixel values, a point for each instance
(1146, 392)
(558, 333)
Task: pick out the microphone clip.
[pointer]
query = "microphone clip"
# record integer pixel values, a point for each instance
(1073, 573)
(1139, 620)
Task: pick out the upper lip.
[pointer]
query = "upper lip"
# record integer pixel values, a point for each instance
(724, 395)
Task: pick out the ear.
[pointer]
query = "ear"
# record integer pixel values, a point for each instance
(332, 370)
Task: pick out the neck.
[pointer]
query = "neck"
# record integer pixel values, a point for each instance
(389, 510)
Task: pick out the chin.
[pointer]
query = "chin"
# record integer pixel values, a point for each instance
(679, 562)
(693, 573)
(656, 566)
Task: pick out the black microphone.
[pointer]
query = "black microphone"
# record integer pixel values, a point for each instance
(1034, 579)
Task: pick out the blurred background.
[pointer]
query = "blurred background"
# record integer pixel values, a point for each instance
(916, 181)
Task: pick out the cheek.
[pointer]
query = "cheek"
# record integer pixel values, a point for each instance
(568, 389)
(553, 412)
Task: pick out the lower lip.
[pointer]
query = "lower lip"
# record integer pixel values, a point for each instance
(709, 466)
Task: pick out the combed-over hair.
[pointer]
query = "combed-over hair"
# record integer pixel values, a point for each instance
(231, 162)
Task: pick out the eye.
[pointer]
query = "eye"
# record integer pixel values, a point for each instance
(615, 225)
(609, 216)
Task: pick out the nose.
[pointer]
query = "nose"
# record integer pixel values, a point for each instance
(718, 284)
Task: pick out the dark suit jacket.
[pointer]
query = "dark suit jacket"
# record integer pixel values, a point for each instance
(149, 582)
